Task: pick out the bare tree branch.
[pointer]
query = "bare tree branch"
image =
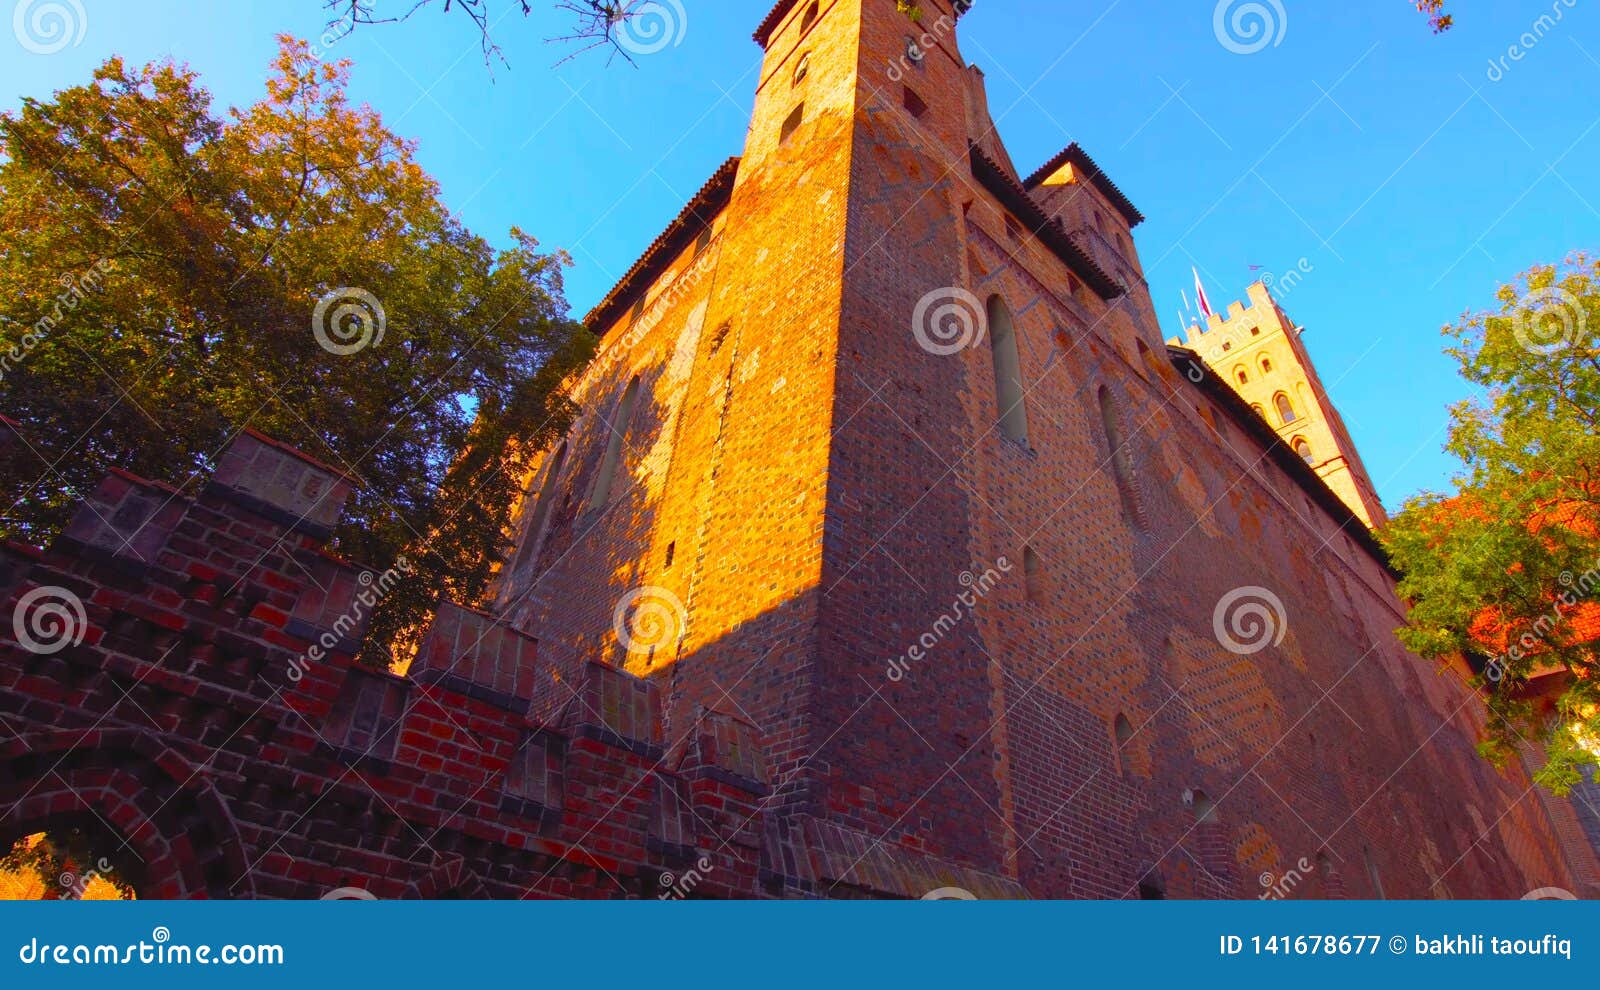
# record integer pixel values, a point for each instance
(596, 23)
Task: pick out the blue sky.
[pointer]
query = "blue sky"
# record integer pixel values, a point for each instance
(1396, 168)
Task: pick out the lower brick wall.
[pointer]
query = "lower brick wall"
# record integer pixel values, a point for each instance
(179, 683)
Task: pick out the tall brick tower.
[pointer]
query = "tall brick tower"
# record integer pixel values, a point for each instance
(883, 452)
(1259, 352)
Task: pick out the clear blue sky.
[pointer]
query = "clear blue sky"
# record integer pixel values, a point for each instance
(1410, 182)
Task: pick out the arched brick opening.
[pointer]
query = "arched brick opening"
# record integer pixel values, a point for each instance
(170, 829)
(449, 880)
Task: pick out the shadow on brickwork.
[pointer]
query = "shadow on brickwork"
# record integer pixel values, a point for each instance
(181, 681)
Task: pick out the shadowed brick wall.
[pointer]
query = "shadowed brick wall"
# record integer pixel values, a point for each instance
(812, 491)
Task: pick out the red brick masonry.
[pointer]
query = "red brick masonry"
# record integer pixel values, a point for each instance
(206, 720)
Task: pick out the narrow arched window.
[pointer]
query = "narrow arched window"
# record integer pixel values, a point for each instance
(1033, 577)
(1123, 729)
(808, 19)
(1242, 375)
(1121, 456)
(1303, 448)
(533, 534)
(1149, 358)
(1205, 809)
(618, 428)
(1259, 411)
(1007, 373)
(1266, 366)
(1285, 408)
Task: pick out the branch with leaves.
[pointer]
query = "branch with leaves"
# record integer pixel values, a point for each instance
(1506, 568)
(196, 251)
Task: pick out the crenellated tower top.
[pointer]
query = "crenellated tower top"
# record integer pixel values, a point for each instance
(1258, 350)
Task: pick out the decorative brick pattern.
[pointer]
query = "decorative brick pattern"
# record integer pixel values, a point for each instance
(806, 493)
(194, 731)
(811, 486)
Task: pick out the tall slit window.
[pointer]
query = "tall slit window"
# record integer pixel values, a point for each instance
(1121, 456)
(618, 433)
(792, 124)
(1033, 575)
(1007, 373)
(1123, 730)
(534, 534)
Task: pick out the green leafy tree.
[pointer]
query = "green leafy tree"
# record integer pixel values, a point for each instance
(1506, 568)
(174, 276)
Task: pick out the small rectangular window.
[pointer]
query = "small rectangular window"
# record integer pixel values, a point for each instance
(914, 103)
(792, 124)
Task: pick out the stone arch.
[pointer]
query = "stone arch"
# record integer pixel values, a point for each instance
(132, 787)
(448, 880)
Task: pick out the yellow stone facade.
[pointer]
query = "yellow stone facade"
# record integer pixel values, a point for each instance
(1258, 350)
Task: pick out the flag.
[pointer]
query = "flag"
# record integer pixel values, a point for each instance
(1200, 295)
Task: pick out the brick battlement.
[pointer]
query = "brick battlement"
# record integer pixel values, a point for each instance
(180, 680)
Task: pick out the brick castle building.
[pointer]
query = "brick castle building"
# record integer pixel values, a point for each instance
(1259, 352)
(895, 553)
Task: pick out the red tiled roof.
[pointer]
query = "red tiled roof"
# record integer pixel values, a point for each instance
(694, 219)
(770, 23)
(775, 17)
(1046, 228)
(1081, 160)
